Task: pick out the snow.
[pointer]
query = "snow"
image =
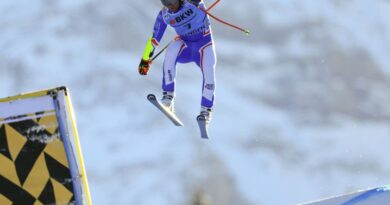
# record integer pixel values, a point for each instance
(301, 107)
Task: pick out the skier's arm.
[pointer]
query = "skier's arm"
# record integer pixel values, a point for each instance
(201, 5)
(152, 43)
(154, 40)
(196, 2)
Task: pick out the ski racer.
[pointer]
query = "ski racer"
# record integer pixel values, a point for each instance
(194, 43)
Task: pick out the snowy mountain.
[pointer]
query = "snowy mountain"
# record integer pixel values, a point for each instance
(302, 104)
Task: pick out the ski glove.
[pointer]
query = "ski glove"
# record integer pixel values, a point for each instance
(144, 66)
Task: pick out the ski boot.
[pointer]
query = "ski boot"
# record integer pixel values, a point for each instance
(206, 112)
(168, 100)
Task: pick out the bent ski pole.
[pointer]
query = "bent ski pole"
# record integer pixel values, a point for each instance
(212, 5)
(246, 31)
(165, 47)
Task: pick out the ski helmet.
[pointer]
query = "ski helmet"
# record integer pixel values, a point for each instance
(169, 2)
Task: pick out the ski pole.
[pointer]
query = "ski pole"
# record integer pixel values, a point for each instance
(162, 50)
(246, 31)
(165, 47)
(212, 5)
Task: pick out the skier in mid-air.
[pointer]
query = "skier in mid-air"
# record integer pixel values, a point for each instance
(194, 43)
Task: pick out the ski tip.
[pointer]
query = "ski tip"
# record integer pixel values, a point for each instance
(151, 97)
(180, 124)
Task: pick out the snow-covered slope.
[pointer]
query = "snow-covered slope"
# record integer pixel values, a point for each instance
(376, 196)
(302, 104)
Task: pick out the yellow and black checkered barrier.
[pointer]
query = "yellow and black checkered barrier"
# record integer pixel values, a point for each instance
(34, 162)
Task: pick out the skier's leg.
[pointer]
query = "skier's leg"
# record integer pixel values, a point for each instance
(169, 73)
(169, 66)
(207, 64)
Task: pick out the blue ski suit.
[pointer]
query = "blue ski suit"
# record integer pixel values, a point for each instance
(193, 44)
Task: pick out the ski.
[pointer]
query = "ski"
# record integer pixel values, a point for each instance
(171, 115)
(202, 126)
